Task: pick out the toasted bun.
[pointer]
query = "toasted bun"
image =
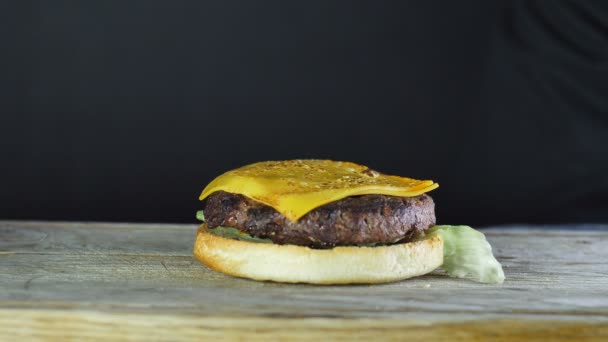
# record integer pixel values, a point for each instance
(297, 264)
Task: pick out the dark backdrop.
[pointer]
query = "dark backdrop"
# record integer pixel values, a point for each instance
(124, 110)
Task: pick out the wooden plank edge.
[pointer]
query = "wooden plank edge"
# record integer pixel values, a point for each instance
(62, 325)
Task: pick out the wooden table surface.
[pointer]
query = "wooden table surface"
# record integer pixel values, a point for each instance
(62, 281)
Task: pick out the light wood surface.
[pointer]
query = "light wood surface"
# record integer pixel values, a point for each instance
(74, 281)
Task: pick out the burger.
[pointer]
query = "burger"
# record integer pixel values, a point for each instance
(331, 222)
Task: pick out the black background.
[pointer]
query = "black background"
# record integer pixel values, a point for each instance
(124, 110)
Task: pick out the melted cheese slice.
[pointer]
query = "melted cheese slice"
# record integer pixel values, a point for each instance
(295, 187)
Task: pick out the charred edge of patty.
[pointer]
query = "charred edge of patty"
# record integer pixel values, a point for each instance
(352, 221)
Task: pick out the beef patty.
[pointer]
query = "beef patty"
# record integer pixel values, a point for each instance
(352, 221)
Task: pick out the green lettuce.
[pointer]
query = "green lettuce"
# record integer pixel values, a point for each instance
(233, 233)
(200, 216)
(467, 254)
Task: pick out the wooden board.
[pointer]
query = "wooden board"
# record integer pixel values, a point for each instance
(63, 281)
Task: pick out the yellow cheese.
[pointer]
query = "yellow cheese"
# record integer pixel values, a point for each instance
(295, 187)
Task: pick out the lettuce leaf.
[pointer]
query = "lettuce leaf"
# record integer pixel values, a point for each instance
(200, 216)
(233, 233)
(467, 254)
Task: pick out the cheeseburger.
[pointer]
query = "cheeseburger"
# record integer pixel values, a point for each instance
(329, 222)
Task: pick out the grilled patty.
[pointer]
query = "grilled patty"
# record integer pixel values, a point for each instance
(352, 221)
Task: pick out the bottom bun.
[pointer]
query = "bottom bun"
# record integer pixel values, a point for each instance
(298, 264)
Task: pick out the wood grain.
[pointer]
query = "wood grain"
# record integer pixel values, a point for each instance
(109, 281)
